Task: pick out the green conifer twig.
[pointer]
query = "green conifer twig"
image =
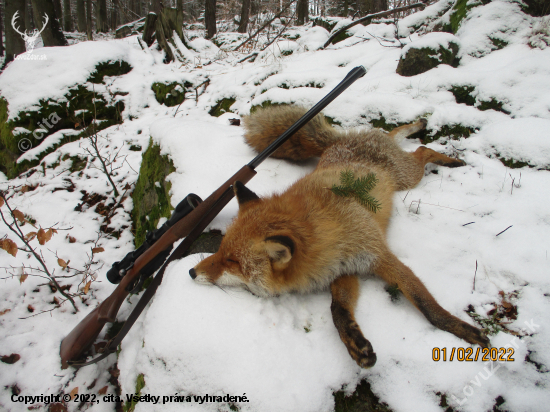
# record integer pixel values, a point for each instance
(358, 189)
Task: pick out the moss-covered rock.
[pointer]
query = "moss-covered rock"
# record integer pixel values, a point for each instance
(151, 195)
(109, 68)
(170, 93)
(221, 107)
(420, 60)
(80, 109)
(327, 23)
(459, 11)
(453, 131)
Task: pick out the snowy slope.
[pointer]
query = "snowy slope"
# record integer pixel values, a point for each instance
(284, 353)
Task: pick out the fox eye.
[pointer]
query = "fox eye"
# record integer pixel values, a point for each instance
(232, 260)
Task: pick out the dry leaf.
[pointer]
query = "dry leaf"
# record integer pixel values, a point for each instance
(25, 189)
(9, 246)
(30, 308)
(55, 301)
(103, 390)
(98, 249)
(41, 236)
(1, 201)
(71, 239)
(17, 214)
(49, 234)
(61, 263)
(3, 312)
(74, 392)
(30, 236)
(11, 359)
(23, 278)
(87, 287)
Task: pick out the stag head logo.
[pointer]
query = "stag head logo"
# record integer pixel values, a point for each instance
(30, 38)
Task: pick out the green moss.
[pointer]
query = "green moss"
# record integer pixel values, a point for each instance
(151, 200)
(331, 121)
(460, 10)
(393, 291)
(109, 68)
(342, 36)
(513, 164)
(499, 44)
(77, 163)
(324, 22)
(463, 94)
(170, 94)
(221, 107)
(421, 60)
(492, 104)
(454, 131)
(287, 52)
(362, 400)
(140, 384)
(135, 148)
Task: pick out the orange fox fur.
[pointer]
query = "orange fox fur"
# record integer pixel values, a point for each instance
(308, 238)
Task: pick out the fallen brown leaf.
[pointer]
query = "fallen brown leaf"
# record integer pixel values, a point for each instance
(103, 390)
(3, 312)
(97, 250)
(23, 278)
(74, 392)
(11, 359)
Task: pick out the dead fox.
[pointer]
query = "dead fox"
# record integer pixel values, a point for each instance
(308, 238)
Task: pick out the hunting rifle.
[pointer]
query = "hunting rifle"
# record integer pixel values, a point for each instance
(188, 221)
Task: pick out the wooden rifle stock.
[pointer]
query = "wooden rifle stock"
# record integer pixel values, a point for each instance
(86, 332)
(189, 227)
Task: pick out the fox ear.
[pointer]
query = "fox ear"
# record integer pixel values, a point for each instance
(243, 193)
(280, 249)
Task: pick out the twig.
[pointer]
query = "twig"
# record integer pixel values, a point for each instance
(280, 32)
(466, 224)
(370, 17)
(504, 230)
(265, 25)
(475, 273)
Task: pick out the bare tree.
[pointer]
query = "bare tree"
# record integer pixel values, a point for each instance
(89, 20)
(1, 31)
(102, 25)
(244, 16)
(114, 15)
(210, 18)
(14, 42)
(52, 34)
(302, 11)
(81, 15)
(67, 18)
(58, 9)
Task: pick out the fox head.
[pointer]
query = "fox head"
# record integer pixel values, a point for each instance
(257, 250)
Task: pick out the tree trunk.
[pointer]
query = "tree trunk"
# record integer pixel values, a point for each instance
(29, 24)
(67, 18)
(149, 28)
(210, 18)
(156, 6)
(89, 28)
(52, 34)
(302, 12)
(114, 15)
(14, 41)
(58, 9)
(81, 15)
(101, 23)
(244, 17)
(1, 31)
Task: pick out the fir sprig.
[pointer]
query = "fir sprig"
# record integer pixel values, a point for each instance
(358, 189)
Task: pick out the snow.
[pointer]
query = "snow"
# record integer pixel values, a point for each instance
(284, 353)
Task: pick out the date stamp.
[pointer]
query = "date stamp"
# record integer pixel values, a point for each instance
(468, 354)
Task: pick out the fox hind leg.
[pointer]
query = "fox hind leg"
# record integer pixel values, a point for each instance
(402, 132)
(345, 292)
(393, 271)
(426, 155)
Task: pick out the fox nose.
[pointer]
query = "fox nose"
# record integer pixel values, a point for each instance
(192, 273)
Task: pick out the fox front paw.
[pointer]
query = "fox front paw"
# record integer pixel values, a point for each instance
(358, 347)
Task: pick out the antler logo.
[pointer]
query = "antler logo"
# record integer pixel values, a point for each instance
(30, 38)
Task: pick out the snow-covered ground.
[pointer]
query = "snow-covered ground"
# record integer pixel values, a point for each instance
(284, 353)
